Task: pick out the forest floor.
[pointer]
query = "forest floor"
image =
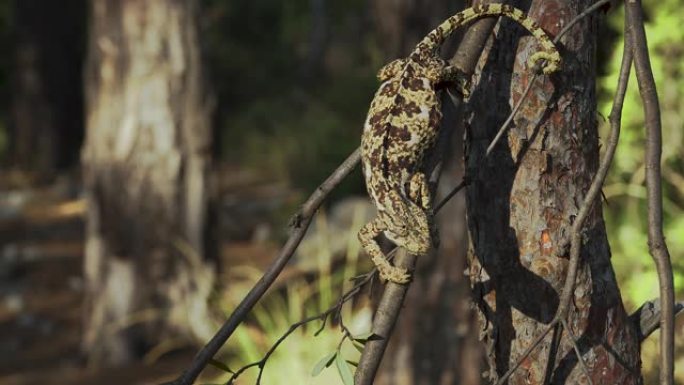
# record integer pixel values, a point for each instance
(41, 291)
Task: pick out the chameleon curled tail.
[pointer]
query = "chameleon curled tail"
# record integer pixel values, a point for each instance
(427, 47)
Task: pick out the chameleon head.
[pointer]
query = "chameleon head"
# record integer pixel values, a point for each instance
(430, 67)
(409, 227)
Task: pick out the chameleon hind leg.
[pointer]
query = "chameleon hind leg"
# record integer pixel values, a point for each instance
(419, 192)
(367, 236)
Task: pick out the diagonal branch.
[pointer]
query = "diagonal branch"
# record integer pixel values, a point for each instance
(300, 223)
(392, 299)
(646, 319)
(333, 311)
(656, 241)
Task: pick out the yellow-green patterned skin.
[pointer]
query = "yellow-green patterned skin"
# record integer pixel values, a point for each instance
(402, 125)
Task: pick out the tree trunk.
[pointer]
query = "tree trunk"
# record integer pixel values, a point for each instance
(149, 264)
(47, 118)
(521, 203)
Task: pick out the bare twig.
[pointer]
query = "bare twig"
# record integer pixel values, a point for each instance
(451, 194)
(646, 319)
(383, 323)
(300, 224)
(510, 117)
(576, 237)
(323, 316)
(656, 242)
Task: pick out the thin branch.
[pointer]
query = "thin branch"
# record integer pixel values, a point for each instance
(323, 316)
(384, 321)
(589, 200)
(646, 319)
(300, 224)
(591, 9)
(510, 117)
(656, 241)
(451, 194)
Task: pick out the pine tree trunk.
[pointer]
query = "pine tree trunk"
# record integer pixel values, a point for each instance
(148, 265)
(521, 203)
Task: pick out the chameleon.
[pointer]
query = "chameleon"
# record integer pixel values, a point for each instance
(402, 126)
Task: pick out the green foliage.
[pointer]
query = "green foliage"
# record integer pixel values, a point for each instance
(323, 363)
(344, 371)
(305, 354)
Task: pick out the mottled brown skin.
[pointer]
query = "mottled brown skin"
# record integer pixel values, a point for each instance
(402, 125)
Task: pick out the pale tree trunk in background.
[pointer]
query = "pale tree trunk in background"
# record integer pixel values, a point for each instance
(521, 203)
(148, 263)
(435, 340)
(46, 127)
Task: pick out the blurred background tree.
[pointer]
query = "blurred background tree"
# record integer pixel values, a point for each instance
(149, 261)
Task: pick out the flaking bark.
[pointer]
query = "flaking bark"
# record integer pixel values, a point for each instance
(522, 202)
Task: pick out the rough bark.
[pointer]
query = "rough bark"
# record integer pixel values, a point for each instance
(521, 203)
(46, 127)
(148, 262)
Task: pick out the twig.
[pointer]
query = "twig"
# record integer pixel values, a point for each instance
(383, 323)
(300, 224)
(323, 316)
(510, 117)
(656, 242)
(646, 319)
(589, 200)
(451, 194)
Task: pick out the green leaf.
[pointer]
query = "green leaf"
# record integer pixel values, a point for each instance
(344, 371)
(220, 365)
(323, 363)
(358, 346)
(353, 363)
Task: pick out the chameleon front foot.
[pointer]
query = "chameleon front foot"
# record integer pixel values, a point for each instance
(393, 273)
